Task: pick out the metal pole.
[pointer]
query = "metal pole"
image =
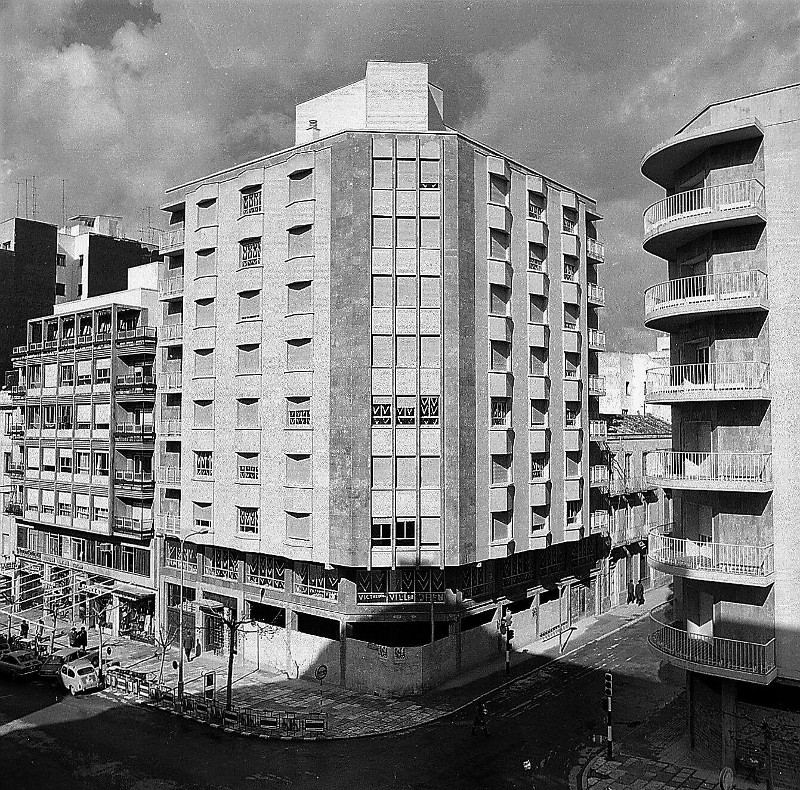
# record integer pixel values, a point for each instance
(508, 655)
(180, 624)
(609, 733)
(100, 668)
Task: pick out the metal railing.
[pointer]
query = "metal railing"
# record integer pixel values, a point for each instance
(170, 381)
(171, 332)
(713, 651)
(595, 249)
(713, 467)
(16, 429)
(598, 476)
(730, 558)
(596, 293)
(169, 427)
(598, 430)
(129, 477)
(169, 286)
(168, 474)
(727, 289)
(172, 238)
(133, 526)
(138, 334)
(597, 385)
(704, 201)
(628, 484)
(133, 382)
(16, 470)
(19, 351)
(598, 521)
(597, 339)
(134, 431)
(704, 377)
(171, 525)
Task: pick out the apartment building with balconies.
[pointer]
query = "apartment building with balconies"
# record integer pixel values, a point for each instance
(83, 459)
(377, 371)
(728, 231)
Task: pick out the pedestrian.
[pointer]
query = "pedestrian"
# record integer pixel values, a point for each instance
(73, 637)
(631, 592)
(188, 646)
(83, 639)
(481, 719)
(23, 629)
(639, 593)
(40, 630)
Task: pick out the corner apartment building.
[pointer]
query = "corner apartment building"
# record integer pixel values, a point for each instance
(9, 424)
(83, 459)
(728, 231)
(378, 356)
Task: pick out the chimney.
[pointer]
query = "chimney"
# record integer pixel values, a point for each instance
(313, 128)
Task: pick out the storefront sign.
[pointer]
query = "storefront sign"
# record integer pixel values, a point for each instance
(383, 652)
(399, 655)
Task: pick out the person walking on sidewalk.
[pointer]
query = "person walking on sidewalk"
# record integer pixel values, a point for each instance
(639, 593)
(481, 719)
(631, 593)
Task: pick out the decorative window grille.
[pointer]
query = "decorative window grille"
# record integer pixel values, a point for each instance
(251, 201)
(266, 571)
(247, 520)
(250, 253)
(221, 563)
(312, 579)
(429, 410)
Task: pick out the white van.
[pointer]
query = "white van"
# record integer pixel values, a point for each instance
(80, 675)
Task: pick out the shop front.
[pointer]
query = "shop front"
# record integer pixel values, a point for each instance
(136, 607)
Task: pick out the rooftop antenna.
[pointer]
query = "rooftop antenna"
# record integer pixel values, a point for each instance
(63, 203)
(26, 198)
(34, 197)
(18, 186)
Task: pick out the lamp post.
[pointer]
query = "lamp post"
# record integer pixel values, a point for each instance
(180, 611)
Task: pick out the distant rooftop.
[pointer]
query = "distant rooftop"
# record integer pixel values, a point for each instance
(636, 424)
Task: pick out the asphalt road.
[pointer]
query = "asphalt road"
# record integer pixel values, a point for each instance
(48, 740)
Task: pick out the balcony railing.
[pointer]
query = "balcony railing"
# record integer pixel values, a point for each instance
(730, 559)
(134, 432)
(136, 527)
(19, 391)
(169, 524)
(628, 484)
(596, 294)
(595, 250)
(170, 286)
(136, 383)
(597, 340)
(598, 430)
(598, 476)
(16, 430)
(727, 657)
(16, 470)
(630, 532)
(598, 521)
(597, 385)
(139, 335)
(169, 427)
(13, 508)
(729, 471)
(170, 381)
(168, 474)
(171, 332)
(706, 200)
(19, 351)
(701, 381)
(724, 291)
(172, 239)
(134, 479)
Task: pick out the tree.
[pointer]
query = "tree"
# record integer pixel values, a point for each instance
(163, 641)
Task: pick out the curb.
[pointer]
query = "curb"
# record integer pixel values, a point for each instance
(440, 714)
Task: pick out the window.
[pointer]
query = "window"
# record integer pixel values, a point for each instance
(203, 463)
(298, 412)
(249, 358)
(247, 413)
(102, 416)
(49, 416)
(301, 241)
(572, 417)
(251, 201)
(204, 414)
(406, 351)
(430, 471)
(67, 374)
(627, 388)
(299, 298)
(430, 292)
(61, 289)
(298, 354)
(406, 291)
(406, 410)
(381, 532)
(429, 410)
(250, 253)
(102, 372)
(382, 174)
(82, 512)
(538, 466)
(537, 361)
(247, 520)
(406, 173)
(79, 549)
(573, 513)
(65, 461)
(207, 212)
(247, 467)
(499, 299)
(298, 470)
(429, 174)
(381, 410)
(501, 526)
(500, 355)
(204, 362)
(206, 262)
(405, 532)
(430, 233)
(298, 526)
(570, 271)
(126, 559)
(570, 221)
(249, 305)
(381, 472)
(61, 260)
(65, 421)
(81, 463)
(382, 351)
(535, 258)
(406, 472)
(499, 245)
(501, 469)
(205, 312)
(301, 186)
(499, 188)
(501, 412)
(535, 206)
(202, 515)
(64, 508)
(430, 351)
(381, 290)
(54, 545)
(382, 231)
(101, 464)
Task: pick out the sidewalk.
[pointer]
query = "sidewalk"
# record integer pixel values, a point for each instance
(656, 756)
(352, 714)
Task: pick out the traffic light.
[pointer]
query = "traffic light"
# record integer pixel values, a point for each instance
(509, 637)
(609, 678)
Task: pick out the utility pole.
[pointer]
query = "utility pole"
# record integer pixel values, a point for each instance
(608, 682)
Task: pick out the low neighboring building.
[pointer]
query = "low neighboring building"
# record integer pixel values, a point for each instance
(635, 504)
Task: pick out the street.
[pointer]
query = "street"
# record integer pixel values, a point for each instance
(549, 718)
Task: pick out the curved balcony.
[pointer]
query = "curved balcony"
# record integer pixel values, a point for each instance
(598, 476)
(670, 304)
(712, 655)
(597, 340)
(170, 287)
(680, 218)
(597, 385)
(708, 382)
(172, 333)
(595, 250)
(710, 471)
(713, 562)
(172, 240)
(596, 294)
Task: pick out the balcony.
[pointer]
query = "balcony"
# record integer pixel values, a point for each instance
(169, 524)
(670, 304)
(621, 485)
(710, 471)
(170, 333)
(168, 475)
(598, 521)
(133, 432)
(595, 250)
(16, 430)
(598, 430)
(597, 385)
(170, 287)
(713, 562)
(134, 527)
(708, 382)
(140, 336)
(172, 239)
(16, 470)
(752, 662)
(134, 482)
(598, 476)
(13, 508)
(19, 392)
(19, 351)
(597, 340)
(681, 218)
(596, 294)
(171, 381)
(623, 535)
(135, 384)
(169, 427)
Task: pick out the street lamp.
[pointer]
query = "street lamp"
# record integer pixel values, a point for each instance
(180, 611)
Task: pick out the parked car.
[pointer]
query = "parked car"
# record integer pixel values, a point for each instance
(51, 667)
(80, 675)
(5, 646)
(19, 664)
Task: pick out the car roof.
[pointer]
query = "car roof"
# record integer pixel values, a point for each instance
(79, 663)
(21, 655)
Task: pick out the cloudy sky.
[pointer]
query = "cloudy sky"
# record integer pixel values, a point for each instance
(123, 98)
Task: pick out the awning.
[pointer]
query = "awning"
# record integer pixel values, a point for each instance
(131, 592)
